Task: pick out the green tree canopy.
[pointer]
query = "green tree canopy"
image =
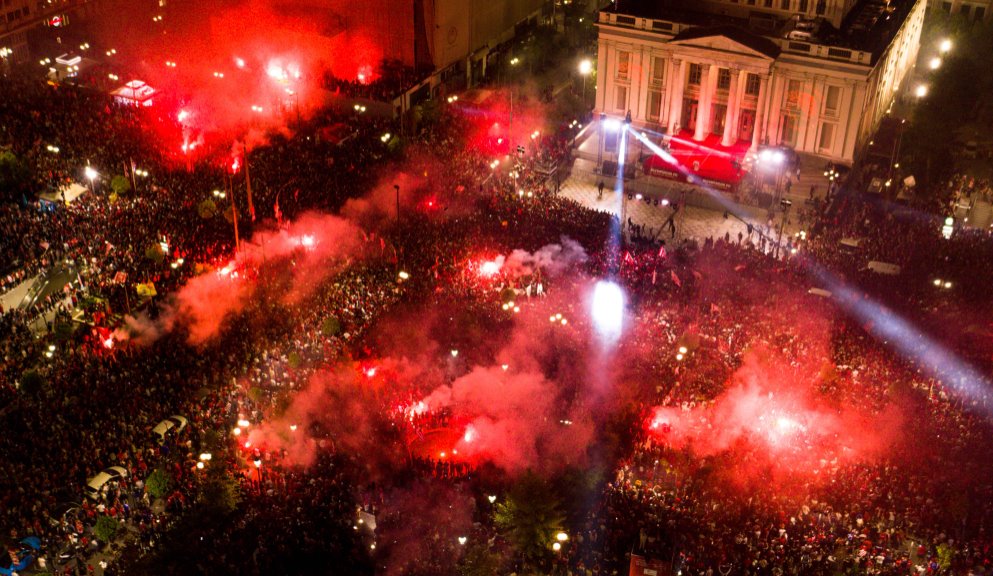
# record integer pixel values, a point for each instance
(106, 528)
(32, 383)
(154, 253)
(120, 185)
(207, 209)
(158, 483)
(15, 177)
(530, 517)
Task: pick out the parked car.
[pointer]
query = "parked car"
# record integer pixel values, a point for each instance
(96, 484)
(175, 423)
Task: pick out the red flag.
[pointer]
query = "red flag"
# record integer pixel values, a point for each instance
(662, 253)
(654, 273)
(675, 279)
(279, 215)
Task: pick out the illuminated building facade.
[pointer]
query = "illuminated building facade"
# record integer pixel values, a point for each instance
(814, 75)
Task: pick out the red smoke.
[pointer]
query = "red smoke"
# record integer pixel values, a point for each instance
(771, 416)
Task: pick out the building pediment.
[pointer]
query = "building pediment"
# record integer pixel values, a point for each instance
(727, 40)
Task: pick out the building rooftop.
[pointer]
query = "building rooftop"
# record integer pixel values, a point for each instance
(869, 26)
(736, 33)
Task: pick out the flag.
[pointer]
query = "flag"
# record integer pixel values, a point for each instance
(675, 279)
(279, 215)
(146, 289)
(654, 273)
(698, 275)
(662, 253)
(121, 277)
(714, 308)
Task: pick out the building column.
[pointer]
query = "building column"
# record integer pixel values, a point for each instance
(731, 116)
(678, 84)
(708, 78)
(760, 111)
(602, 73)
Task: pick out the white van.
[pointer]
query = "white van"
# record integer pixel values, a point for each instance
(175, 421)
(95, 485)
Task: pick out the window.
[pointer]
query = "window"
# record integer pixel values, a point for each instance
(827, 137)
(788, 133)
(768, 3)
(658, 70)
(804, 5)
(946, 7)
(964, 10)
(980, 13)
(724, 79)
(654, 105)
(752, 84)
(793, 93)
(821, 7)
(623, 65)
(696, 71)
(832, 100)
(784, 4)
(621, 100)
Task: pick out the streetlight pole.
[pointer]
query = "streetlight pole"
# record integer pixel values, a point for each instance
(782, 224)
(397, 188)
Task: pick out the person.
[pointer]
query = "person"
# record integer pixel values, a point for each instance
(599, 190)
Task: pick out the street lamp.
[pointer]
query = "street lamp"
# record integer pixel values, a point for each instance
(921, 90)
(935, 63)
(945, 46)
(585, 67)
(91, 175)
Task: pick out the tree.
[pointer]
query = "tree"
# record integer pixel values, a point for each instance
(32, 383)
(120, 185)
(330, 327)
(158, 483)
(220, 493)
(106, 528)
(479, 560)
(207, 209)
(154, 253)
(530, 517)
(15, 177)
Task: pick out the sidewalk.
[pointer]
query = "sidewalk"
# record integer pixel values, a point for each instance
(13, 297)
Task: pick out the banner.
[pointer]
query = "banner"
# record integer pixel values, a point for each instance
(641, 566)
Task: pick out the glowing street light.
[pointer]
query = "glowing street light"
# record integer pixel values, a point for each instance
(608, 310)
(945, 46)
(935, 63)
(561, 536)
(920, 91)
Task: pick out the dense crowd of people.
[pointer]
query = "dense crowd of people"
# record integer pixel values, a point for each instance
(88, 406)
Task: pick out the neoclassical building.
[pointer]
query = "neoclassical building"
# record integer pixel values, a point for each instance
(815, 75)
